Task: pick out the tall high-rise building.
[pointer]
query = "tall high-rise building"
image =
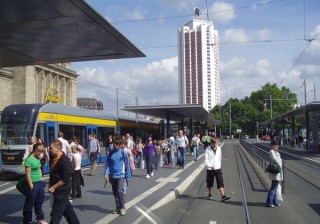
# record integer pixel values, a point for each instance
(198, 61)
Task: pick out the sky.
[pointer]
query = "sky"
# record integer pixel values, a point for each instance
(260, 41)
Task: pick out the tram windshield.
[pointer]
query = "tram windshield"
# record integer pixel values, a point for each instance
(18, 123)
(16, 134)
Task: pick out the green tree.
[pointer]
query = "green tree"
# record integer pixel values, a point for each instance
(257, 107)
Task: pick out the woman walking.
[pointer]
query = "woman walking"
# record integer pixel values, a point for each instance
(76, 174)
(148, 153)
(35, 197)
(275, 159)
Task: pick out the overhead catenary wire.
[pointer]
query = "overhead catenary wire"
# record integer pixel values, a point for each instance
(123, 91)
(182, 16)
(300, 56)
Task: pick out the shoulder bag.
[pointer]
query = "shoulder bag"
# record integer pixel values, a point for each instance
(273, 168)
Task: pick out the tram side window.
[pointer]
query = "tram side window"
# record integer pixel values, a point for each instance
(103, 133)
(80, 133)
(69, 131)
(40, 132)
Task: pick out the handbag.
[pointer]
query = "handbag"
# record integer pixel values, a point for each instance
(279, 193)
(273, 168)
(142, 164)
(23, 186)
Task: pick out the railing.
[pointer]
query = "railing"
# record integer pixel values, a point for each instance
(261, 158)
(258, 154)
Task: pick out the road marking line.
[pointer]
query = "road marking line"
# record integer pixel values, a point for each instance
(5, 184)
(142, 196)
(213, 222)
(7, 190)
(164, 179)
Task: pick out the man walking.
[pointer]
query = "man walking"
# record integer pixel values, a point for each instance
(213, 158)
(60, 185)
(117, 171)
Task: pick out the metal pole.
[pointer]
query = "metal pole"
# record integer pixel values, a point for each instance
(117, 102)
(314, 92)
(230, 117)
(305, 92)
(270, 106)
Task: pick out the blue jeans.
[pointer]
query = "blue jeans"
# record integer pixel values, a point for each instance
(139, 157)
(119, 188)
(61, 206)
(172, 156)
(181, 156)
(272, 196)
(195, 152)
(34, 199)
(157, 160)
(149, 160)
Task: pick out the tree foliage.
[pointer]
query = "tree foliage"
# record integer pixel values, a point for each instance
(260, 106)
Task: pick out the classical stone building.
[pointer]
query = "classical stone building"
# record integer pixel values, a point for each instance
(38, 84)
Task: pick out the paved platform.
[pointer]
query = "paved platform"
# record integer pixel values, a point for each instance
(176, 195)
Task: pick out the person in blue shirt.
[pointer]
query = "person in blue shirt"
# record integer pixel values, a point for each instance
(118, 173)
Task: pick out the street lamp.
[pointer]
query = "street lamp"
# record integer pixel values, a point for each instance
(314, 92)
(305, 91)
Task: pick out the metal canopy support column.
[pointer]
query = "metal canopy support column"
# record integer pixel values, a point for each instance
(293, 137)
(191, 130)
(307, 129)
(168, 123)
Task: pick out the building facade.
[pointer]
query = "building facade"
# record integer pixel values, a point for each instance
(90, 103)
(198, 64)
(38, 84)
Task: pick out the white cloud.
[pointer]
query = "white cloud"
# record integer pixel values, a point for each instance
(178, 5)
(235, 35)
(137, 14)
(157, 82)
(222, 12)
(261, 68)
(315, 32)
(264, 34)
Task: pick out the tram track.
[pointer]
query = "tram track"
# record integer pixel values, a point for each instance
(244, 200)
(194, 196)
(305, 164)
(199, 186)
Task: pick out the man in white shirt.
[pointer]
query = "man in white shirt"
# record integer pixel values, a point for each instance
(213, 158)
(65, 145)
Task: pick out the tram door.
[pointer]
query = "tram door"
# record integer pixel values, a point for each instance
(50, 135)
(91, 129)
(50, 132)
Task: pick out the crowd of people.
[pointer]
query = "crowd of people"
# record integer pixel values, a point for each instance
(123, 155)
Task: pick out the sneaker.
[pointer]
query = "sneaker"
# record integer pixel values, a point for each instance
(122, 212)
(271, 206)
(151, 174)
(148, 176)
(42, 221)
(210, 196)
(278, 205)
(224, 198)
(115, 211)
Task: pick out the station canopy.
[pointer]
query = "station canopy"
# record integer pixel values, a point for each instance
(194, 112)
(56, 31)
